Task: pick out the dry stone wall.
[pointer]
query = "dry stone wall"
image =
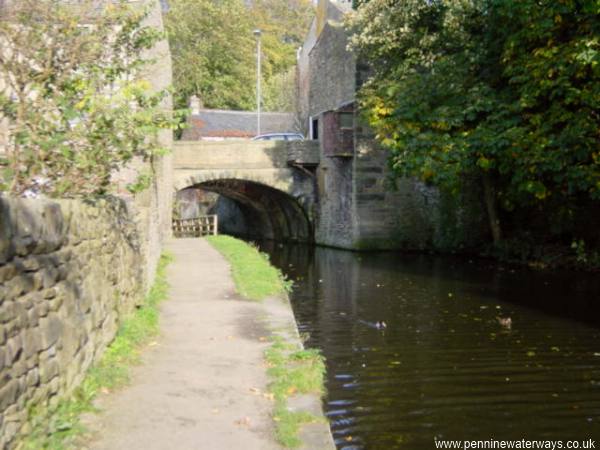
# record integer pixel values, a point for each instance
(69, 271)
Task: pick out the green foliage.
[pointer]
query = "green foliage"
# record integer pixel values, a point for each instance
(280, 92)
(76, 102)
(292, 371)
(214, 49)
(254, 277)
(506, 91)
(61, 428)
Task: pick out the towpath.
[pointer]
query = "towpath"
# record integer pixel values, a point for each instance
(201, 385)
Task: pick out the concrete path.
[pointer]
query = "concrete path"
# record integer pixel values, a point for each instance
(201, 385)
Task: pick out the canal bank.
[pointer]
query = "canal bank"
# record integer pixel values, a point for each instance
(203, 384)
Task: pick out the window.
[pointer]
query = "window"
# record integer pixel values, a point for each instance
(315, 129)
(346, 120)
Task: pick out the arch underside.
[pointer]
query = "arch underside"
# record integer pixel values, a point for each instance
(268, 213)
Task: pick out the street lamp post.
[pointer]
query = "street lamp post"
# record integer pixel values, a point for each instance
(257, 33)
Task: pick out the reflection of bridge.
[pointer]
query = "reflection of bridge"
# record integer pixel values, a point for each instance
(273, 182)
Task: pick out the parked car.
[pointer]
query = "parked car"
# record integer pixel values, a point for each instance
(279, 137)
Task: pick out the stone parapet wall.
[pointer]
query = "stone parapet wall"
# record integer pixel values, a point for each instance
(69, 271)
(242, 154)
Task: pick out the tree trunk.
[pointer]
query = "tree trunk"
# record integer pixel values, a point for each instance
(492, 209)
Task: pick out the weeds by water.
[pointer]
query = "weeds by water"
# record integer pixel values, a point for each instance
(292, 372)
(60, 428)
(255, 278)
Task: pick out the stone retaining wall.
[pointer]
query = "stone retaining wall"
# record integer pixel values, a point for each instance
(69, 271)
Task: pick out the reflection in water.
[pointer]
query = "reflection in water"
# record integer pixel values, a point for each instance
(446, 367)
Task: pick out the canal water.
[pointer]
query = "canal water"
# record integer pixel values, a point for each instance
(448, 365)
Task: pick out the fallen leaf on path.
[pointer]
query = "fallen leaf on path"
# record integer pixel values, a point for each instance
(105, 390)
(245, 422)
(255, 390)
(269, 396)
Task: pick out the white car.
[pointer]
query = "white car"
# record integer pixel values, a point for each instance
(279, 137)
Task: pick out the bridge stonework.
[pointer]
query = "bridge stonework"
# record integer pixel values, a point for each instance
(272, 178)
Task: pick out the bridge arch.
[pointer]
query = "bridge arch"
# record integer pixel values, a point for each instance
(268, 181)
(268, 211)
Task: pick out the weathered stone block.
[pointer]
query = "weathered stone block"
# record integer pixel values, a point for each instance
(42, 309)
(49, 293)
(8, 311)
(6, 245)
(51, 328)
(33, 377)
(7, 272)
(18, 368)
(54, 385)
(14, 348)
(8, 394)
(49, 276)
(30, 264)
(32, 342)
(20, 285)
(48, 370)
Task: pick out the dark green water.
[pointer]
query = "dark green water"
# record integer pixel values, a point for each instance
(445, 367)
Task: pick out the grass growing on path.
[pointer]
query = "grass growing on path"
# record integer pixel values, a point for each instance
(291, 370)
(60, 428)
(255, 278)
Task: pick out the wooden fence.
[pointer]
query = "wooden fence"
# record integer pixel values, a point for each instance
(196, 227)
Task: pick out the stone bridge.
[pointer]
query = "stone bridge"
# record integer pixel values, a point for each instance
(272, 181)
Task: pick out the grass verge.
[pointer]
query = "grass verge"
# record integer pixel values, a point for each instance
(254, 276)
(291, 370)
(59, 428)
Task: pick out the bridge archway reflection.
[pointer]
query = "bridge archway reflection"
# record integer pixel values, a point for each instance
(253, 209)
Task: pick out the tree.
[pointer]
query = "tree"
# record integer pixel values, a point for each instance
(76, 106)
(214, 48)
(506, 92)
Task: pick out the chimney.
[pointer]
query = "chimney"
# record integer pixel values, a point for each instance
(195, 104)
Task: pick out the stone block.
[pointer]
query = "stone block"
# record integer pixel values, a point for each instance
(48, 370)
(30, 264)
(19, 285)
(52, 227)
(14, 348)
(8, 311)
(6, 232)
(51, 328)
(32, 342)
(8, 394)
(42, 309)
(7, 272)
(33, 377)
(54, 385)
(18, 368)
(50, 276)
(49, 293)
